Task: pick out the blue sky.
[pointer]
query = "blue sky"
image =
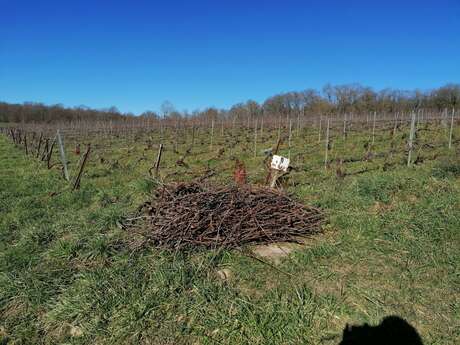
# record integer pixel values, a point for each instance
(136, 54)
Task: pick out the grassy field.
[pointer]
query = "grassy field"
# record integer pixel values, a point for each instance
(391, 245)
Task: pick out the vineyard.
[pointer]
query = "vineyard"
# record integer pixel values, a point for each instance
(318, 147)
(93, 246)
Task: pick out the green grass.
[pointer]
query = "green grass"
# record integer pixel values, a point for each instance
(390, 246)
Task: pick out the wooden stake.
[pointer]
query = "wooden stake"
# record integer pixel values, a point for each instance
(45, 149)
(62, 153)
(212, 132)
(274, 152)
(39, 145)
(274, 177)
(290, 137)
(298, 123)
(175, 137)
(396, 124)
(279, 128)
(25, 143)
(255, 139)
(411, 139)
(444, 118)
(193, 136)
(76, 184)
(262, 127)
(157, 163)
(373, 128)
(50, 152)
(319, 129)
(12, 135)
(327, 145)
(451, 128)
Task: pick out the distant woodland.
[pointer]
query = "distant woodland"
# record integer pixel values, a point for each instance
(331, 99)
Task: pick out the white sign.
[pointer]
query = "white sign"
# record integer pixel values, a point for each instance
(280, 163)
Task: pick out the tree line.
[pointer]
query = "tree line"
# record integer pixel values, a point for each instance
(338, 99)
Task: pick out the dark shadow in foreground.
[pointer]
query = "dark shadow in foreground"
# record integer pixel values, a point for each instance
(392, 330)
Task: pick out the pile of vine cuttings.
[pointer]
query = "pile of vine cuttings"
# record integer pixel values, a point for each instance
(185, 215)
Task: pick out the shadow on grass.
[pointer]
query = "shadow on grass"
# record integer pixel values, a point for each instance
(392, 330)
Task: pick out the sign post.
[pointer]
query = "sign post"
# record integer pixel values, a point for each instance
(279, 166)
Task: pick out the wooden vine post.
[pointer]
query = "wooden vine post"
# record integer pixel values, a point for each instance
(298, 123)
(193, 136)
(274, 152)
(76, 184)
(212, 132)
(451, 128)
(327, 145)
(255, 138)
(62, 153)
(395, 124)
(176, 134)
(319, 129)
(262, 126)
(50, 153)
(39, 145)
(373, 128)
(25, 143)
(290, 138)
(45, 149)
(278, 167)
(279, 128)
(156, 167)
(411, 139)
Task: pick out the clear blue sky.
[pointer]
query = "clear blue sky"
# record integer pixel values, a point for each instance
(136, 54)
